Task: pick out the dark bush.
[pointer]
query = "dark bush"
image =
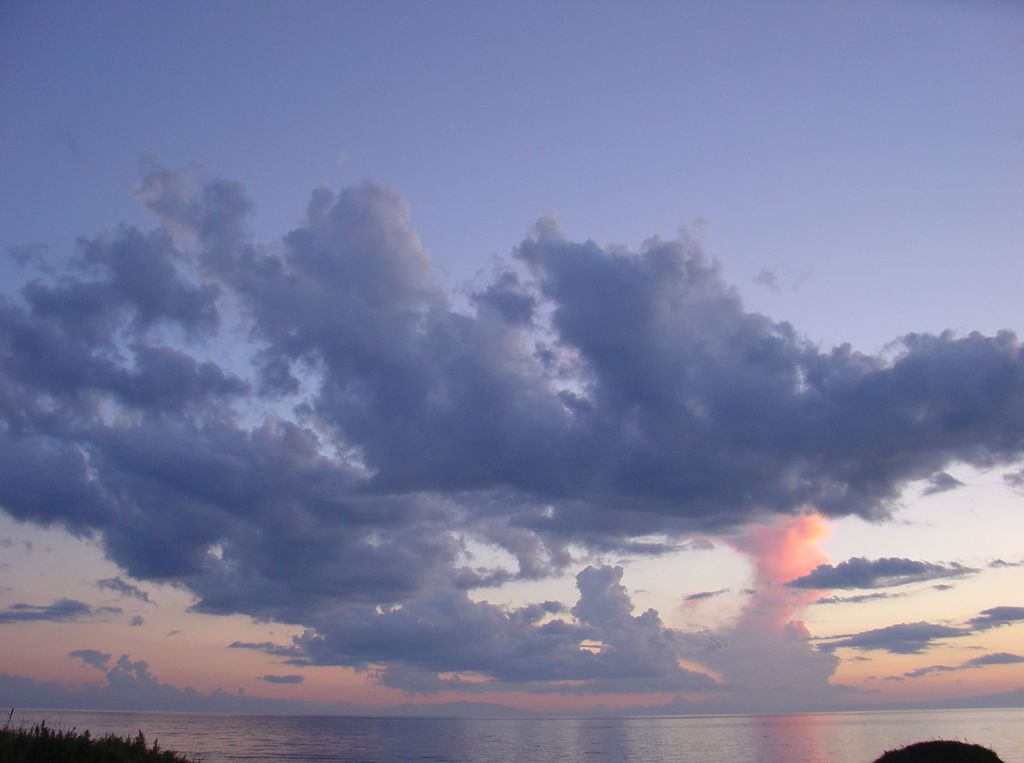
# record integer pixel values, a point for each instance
(940, 751)
(41, 744)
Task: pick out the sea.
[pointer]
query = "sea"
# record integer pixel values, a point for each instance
(848, 737)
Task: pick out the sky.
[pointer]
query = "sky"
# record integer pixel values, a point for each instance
(532, 358)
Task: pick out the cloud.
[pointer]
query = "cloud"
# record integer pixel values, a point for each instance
(606, 648)
(768, 647)
(768, 278)
(941, 482)
(92, 657)
(1001, 563)
(136, 621)
(915, 638)
(366, 432)
(904, 638)
(1015, 480)
(266, 647)
(26, 255)
(996, 616)
(859, 572)
(996, 658)
(123, 588)
(858, 599)
(703, 595)
(61, 611)
(773, 280)
(920, 672)
(291, 678)
(130, 683)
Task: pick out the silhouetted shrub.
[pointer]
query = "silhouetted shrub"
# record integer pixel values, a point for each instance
(940, 751)
(41, 744)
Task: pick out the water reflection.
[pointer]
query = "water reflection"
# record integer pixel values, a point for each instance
(808, 738)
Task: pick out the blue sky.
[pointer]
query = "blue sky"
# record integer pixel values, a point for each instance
(855, 169)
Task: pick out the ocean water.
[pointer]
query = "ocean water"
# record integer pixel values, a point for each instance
(856, 737)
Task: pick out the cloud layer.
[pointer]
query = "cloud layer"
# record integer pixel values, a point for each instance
(60, 611)
(859, 572)
(996, 658)
(915, 638)
(307, 430)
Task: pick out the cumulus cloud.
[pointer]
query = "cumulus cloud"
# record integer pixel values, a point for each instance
(604, 649)
(367, 432)
(769, 647)
(859, 572)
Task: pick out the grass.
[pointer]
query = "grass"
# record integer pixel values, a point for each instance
(41, 744)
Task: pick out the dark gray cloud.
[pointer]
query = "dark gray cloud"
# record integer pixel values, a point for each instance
(60, 611)
(1001, 563)
(266, 647)
(508, 298)
(925, 671)
(92, 657)
(606, 648)
(941, 482)
(309, 426)
(130, 683)
(123, 588)
(702, 595)
(996, 616)
(859, 572)
(1015, 480)
(291, 678)
(996, 658)
(915, 638)
(904, 638)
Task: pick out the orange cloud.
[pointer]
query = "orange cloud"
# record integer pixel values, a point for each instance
(787, 549)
